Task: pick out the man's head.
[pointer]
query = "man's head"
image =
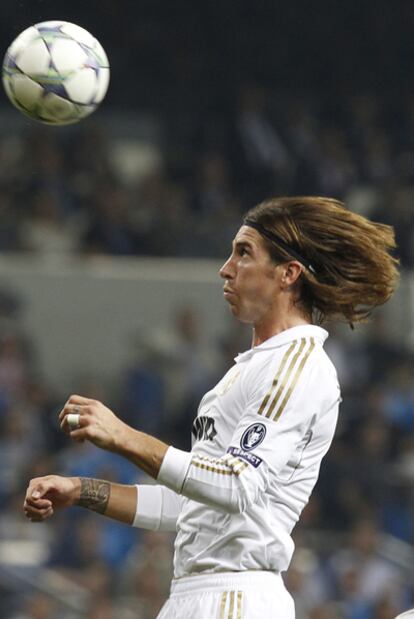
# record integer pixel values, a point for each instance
(338, 263)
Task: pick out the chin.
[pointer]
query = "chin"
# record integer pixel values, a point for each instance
(241, 317)
(234, 310)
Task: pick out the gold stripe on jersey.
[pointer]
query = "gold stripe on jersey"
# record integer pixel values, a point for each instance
(208, 465)
(234, 599)
(221, 460)
(294, 381)
(238, 468)
(211, 469)
(239, 604)
(231, 609)
(276, 378)
(223, 604)
(236, 464)
(231, 460)
(285, 379)
(225, 460)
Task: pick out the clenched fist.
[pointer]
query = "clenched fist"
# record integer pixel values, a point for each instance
(45, 494)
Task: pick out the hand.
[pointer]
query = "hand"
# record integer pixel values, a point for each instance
(97, 423)
(45, 494)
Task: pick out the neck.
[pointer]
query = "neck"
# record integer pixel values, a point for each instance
(262, 332)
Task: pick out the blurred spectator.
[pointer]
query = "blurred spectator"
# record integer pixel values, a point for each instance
(109, 230)
(361, 576)
(38, 606)
(14, 364)
(46, 231)
(261, 161)
(9, 222)
(43, 172)
(144, 390)
(212, 191)
(189, 374)
(89, 161)
(148, 571)
(306, 582)
(386, 609)
(335, 169)
(399, 396)
(20, 440)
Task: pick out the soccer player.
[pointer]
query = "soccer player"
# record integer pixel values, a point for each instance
(260, 434)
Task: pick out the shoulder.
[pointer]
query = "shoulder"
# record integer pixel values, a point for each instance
(298, 367)
(322, 373)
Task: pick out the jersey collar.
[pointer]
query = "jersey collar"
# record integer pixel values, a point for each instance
(289, 335)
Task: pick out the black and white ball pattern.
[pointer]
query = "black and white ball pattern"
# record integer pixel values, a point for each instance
(56, 72)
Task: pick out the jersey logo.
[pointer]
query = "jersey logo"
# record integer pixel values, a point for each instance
(253, 436)
(203, 428)
(229, 382)
(245, 455)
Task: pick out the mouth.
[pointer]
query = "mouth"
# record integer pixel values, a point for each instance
(227, 292)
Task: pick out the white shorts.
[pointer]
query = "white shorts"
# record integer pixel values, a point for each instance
(231, 595)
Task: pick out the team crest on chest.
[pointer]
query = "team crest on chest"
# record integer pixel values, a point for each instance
(229, 382)
(253, 436)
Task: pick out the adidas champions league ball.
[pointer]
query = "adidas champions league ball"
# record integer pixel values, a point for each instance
(56, 72)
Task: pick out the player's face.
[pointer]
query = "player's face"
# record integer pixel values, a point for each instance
(251, 279)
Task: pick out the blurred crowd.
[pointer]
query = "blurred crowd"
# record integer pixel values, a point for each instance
(64, 195)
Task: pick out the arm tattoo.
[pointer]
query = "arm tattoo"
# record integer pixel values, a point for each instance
(94, 494)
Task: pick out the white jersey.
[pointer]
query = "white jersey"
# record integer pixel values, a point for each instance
(258, 441)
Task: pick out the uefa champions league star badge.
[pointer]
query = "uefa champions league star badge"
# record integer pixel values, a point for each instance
(253, 436)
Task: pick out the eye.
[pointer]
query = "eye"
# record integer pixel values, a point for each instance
(243, 251)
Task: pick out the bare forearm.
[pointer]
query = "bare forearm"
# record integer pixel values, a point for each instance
(98, 424)
(143, 450)
(115, 501)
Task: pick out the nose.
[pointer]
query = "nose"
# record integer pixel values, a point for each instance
(227, 270)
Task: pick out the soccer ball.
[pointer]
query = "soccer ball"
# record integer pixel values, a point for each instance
(56, 72)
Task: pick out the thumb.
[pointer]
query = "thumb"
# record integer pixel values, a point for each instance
(40, 488)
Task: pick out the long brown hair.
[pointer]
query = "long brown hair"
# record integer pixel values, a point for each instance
(354, 267)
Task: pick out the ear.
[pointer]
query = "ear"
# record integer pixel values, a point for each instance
(291, 272)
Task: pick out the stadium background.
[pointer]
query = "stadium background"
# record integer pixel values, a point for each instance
(111, 233)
